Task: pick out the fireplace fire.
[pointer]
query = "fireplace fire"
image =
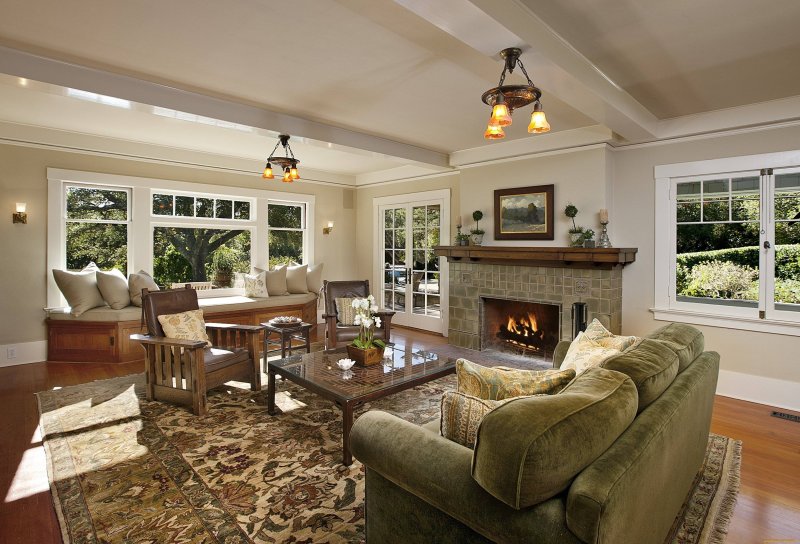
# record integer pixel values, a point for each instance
(526, 328)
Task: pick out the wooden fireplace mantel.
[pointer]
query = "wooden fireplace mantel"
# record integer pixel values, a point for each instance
(573, 257)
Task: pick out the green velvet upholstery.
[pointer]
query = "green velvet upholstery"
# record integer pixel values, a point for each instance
(436, 472)
(686, 341)
(651, 365)
(633, 491)
(529, 449)
(560, 352)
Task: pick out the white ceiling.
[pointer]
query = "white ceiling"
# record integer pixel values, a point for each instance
(401, 80)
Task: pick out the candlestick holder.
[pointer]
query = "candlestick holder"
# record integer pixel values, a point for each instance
(602, 240)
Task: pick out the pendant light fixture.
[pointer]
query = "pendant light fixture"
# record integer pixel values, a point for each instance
(504, 99)
(288, 163)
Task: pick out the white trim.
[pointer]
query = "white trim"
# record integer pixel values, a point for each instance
(781, 159)
(406, 180)
(772, 326)
(760, 389)
(27, 352)
(443, 194)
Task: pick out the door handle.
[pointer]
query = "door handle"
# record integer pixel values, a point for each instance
(767, 245)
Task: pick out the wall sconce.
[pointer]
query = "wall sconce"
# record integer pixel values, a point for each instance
(20, 216)
(328, 229)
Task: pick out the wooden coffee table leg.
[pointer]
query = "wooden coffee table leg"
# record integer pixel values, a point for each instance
(271, 392)
(347, 424)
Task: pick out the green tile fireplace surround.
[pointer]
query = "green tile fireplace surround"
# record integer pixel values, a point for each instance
(559, 276)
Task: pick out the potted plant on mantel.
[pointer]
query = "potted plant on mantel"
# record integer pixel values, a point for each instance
(365, 349)
(575, 232)
(477, 233)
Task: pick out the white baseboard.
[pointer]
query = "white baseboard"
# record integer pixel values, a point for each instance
(27, 352)
(769, 391)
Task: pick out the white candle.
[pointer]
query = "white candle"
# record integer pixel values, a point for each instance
(604, 216)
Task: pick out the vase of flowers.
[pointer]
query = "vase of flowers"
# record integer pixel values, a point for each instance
(365, 349)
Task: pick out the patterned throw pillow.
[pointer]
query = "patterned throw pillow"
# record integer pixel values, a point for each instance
(462, 414)
(585, 353)
(185, 325)
(345, 311)
(498, 383)
(255, 285)
(597, 332)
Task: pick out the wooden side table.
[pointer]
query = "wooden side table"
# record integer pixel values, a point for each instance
(285, 335)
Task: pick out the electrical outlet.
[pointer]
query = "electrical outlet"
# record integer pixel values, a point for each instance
(11, 353)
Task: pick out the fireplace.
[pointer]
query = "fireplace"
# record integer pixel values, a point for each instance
(519, 326)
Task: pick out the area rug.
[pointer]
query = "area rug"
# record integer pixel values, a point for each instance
(123, 469)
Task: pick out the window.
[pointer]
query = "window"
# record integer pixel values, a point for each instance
(183, 254)
(97, 227)
(728, 244)
(286, 233)
(206, 207)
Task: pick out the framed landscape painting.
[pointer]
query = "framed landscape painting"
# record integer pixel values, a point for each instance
(524, 213)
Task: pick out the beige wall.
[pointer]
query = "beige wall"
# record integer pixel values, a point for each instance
(761, 354)
(23, 177)
(366, 231)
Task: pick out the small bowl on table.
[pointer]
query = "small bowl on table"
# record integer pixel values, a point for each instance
(345, 364)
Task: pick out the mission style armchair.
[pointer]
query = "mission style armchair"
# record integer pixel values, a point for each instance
(337, 334)
(181, 371)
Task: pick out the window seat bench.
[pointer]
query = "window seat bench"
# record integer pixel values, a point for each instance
(102, 334)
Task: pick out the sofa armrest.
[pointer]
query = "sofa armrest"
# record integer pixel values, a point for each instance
(437, 470)
(560, 352)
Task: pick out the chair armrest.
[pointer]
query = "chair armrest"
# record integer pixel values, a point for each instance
(437, 470)
(234, 326)
(164, 341)
(560, 352)
(385, 313)
(327, 316)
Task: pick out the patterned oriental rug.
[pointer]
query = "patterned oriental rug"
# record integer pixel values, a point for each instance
(123, 469)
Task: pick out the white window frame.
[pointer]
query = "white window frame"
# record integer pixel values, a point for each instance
(303, 221)
(666, 306)
(142, 221)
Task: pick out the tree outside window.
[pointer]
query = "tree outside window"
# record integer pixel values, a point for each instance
(285, 233)
(97, 227)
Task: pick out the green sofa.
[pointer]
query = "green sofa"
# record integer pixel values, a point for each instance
(610, 459)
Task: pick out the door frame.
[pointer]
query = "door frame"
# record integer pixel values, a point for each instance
(444, 235)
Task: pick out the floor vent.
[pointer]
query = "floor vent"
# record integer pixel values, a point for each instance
(784, 415)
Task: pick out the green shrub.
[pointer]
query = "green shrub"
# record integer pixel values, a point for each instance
(787, 291)
(787, 259)
(720, 279)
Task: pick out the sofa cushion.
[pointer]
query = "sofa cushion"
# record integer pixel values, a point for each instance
(686, 341)
(461, 414)
(185, 325)
(80, 289)
(651, 365)
(137, 282)
(114, 288)
(531, 448)
(296, 281)
(498, 383)
(585, 353)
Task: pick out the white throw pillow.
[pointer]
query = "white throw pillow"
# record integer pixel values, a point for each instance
(314, 278)
(137, 282)
(585, 353)
(296, 279)
(80, 289)
(276, 282)
(255, 285)
(114, 288)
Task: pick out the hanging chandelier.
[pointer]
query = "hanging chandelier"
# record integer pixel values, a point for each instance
(504, 99)
(287, 163)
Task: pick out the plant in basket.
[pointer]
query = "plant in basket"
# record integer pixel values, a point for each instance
(365, 349)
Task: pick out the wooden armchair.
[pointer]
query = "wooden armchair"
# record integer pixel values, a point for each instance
(337, 334)
(181, 371)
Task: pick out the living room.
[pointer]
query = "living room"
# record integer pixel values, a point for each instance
(656, 112)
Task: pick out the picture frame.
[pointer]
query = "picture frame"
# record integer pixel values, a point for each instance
(524, 213)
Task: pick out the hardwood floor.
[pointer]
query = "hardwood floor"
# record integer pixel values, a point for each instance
(767, 511)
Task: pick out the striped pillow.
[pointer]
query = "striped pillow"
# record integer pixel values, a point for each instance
(345, 311)
(462, 415)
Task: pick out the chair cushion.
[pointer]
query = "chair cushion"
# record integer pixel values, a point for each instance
(137, 282)
(531, 448)
(80, 289)
(686, 341)
(296, 279)
(114, 288)
(461, 414)
(651, 365)
(597, 332)
(345, 311)
(187, 325)
(498, 383)
(217, 359)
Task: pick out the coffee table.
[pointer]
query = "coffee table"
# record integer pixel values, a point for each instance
(402, 368)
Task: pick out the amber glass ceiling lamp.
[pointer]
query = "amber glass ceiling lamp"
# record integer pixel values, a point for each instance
(287, 163)
(504, 99)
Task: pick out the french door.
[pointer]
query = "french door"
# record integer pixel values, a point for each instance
(413, 278)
